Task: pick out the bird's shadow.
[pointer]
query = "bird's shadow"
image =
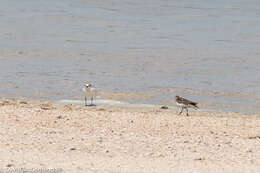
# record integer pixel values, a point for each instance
(90, 105)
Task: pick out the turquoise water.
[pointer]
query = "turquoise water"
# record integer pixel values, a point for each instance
(205, 51)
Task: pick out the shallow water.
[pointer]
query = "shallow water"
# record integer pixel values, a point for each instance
(137, 51)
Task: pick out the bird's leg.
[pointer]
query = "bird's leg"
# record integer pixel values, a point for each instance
(91, 100)
(187, 112)
(181, 110)
(86, 101)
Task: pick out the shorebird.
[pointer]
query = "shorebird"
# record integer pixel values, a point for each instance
(89, 92)
(185, 104)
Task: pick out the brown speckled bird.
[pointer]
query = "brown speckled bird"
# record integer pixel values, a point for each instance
(185, 104)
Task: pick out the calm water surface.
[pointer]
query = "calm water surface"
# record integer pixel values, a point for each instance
(205, 51)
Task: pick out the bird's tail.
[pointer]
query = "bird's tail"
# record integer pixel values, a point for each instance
(195, 106)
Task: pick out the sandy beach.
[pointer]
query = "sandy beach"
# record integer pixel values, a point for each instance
(101, 139)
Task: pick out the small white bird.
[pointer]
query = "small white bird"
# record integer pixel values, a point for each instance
(89, 92)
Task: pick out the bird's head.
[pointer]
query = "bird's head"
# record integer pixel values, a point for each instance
(87, 85)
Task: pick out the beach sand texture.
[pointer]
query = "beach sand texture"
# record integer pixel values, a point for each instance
(100, 139)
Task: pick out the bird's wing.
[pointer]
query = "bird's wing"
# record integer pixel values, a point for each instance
(186, 101)
(183, 100)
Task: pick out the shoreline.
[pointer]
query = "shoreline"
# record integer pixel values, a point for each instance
(102, 139)
(118, 102)
(109, 103)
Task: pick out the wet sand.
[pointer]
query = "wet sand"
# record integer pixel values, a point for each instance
(101, 139)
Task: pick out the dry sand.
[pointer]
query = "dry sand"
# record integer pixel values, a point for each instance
(99, 139)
